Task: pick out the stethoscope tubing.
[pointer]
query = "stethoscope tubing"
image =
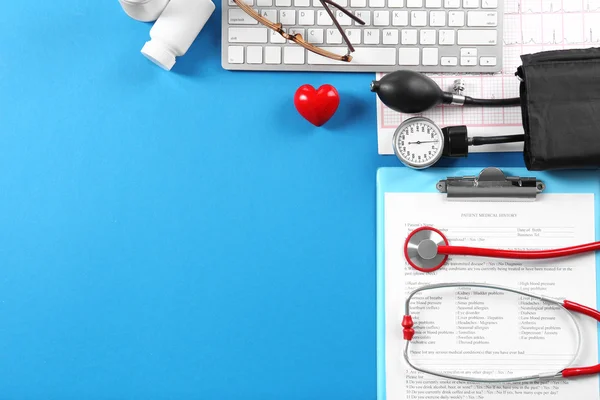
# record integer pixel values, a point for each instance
(518, 254)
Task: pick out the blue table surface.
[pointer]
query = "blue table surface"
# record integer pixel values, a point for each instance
(179, 234)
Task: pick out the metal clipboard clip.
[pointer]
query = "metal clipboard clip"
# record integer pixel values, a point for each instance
(491, 185)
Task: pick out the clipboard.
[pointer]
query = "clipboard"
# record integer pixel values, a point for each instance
(406, 180)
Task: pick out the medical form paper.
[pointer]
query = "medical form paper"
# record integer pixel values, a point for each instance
(554, 220)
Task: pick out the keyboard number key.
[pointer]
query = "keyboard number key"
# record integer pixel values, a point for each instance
(408, 56)
(235, 54)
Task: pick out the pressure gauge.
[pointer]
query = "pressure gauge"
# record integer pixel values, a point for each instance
(418, 143)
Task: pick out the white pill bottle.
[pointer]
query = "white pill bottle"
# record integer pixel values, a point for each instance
(176, 29)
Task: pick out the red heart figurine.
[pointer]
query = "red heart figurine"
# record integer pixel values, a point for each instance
(317, 106)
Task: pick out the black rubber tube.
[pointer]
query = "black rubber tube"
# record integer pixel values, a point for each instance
(515, 101)
(482, 140)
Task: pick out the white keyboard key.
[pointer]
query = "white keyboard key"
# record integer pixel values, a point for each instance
(409, 36)
(264, 3)
(353, 35)
(249, 2)
(390, 36)
(451, 3)
(293, 55)
(395, 3)
(400, 18)
(446, 37)
(301, 3)
(287, 17)
(358, 3)
(489, 4)
(381, 18)
(449, 61)
(235, 54)
(283, 3)
(477, 37)
(488, 61)
(471, 3)
(247, 35)
(414, 3)
(272, 55)
(376, 3)
(371, 36)
(343, 19)
(468, 52)
(427, 36)
(334, 36)
(456, 18)
(306, 17)
(365, 16)
(362, 56)
(482, 18)
(296, 31)
(418, 18)
(430, 56)
(275, 37)
(468, 61)
(323, 18)
(408, 56)
(433, 4)
(271, 15)
(254, 54)
(315, 36)
(437, 18)
(237, 16)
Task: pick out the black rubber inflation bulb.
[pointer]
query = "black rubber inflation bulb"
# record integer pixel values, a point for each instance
(409, 92)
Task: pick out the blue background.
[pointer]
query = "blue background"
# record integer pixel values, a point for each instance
(179, 234)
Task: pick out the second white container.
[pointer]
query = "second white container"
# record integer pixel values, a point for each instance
(144, 10)
(176, 29)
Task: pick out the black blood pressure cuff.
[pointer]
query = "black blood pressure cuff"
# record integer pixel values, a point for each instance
(560, 101)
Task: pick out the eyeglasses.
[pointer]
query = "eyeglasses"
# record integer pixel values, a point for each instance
(298, 39)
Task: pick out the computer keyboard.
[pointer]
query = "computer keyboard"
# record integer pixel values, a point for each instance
(421, 35)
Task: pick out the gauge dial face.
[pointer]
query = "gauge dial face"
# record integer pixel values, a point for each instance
(418, 143)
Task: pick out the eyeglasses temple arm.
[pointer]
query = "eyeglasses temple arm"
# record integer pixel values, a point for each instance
(342, 9)
(590, 312)
(337, 25)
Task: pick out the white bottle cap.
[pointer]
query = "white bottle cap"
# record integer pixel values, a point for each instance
(159, 53)
(144, 10)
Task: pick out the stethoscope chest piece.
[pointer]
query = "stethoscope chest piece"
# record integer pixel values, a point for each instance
(421, 249)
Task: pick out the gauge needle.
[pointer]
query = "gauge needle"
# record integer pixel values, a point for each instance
(419, 142)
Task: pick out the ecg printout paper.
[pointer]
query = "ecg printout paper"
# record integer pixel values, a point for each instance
(498, 332)
(530, 26)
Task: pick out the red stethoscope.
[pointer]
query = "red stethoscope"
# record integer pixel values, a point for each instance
(427, 249)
